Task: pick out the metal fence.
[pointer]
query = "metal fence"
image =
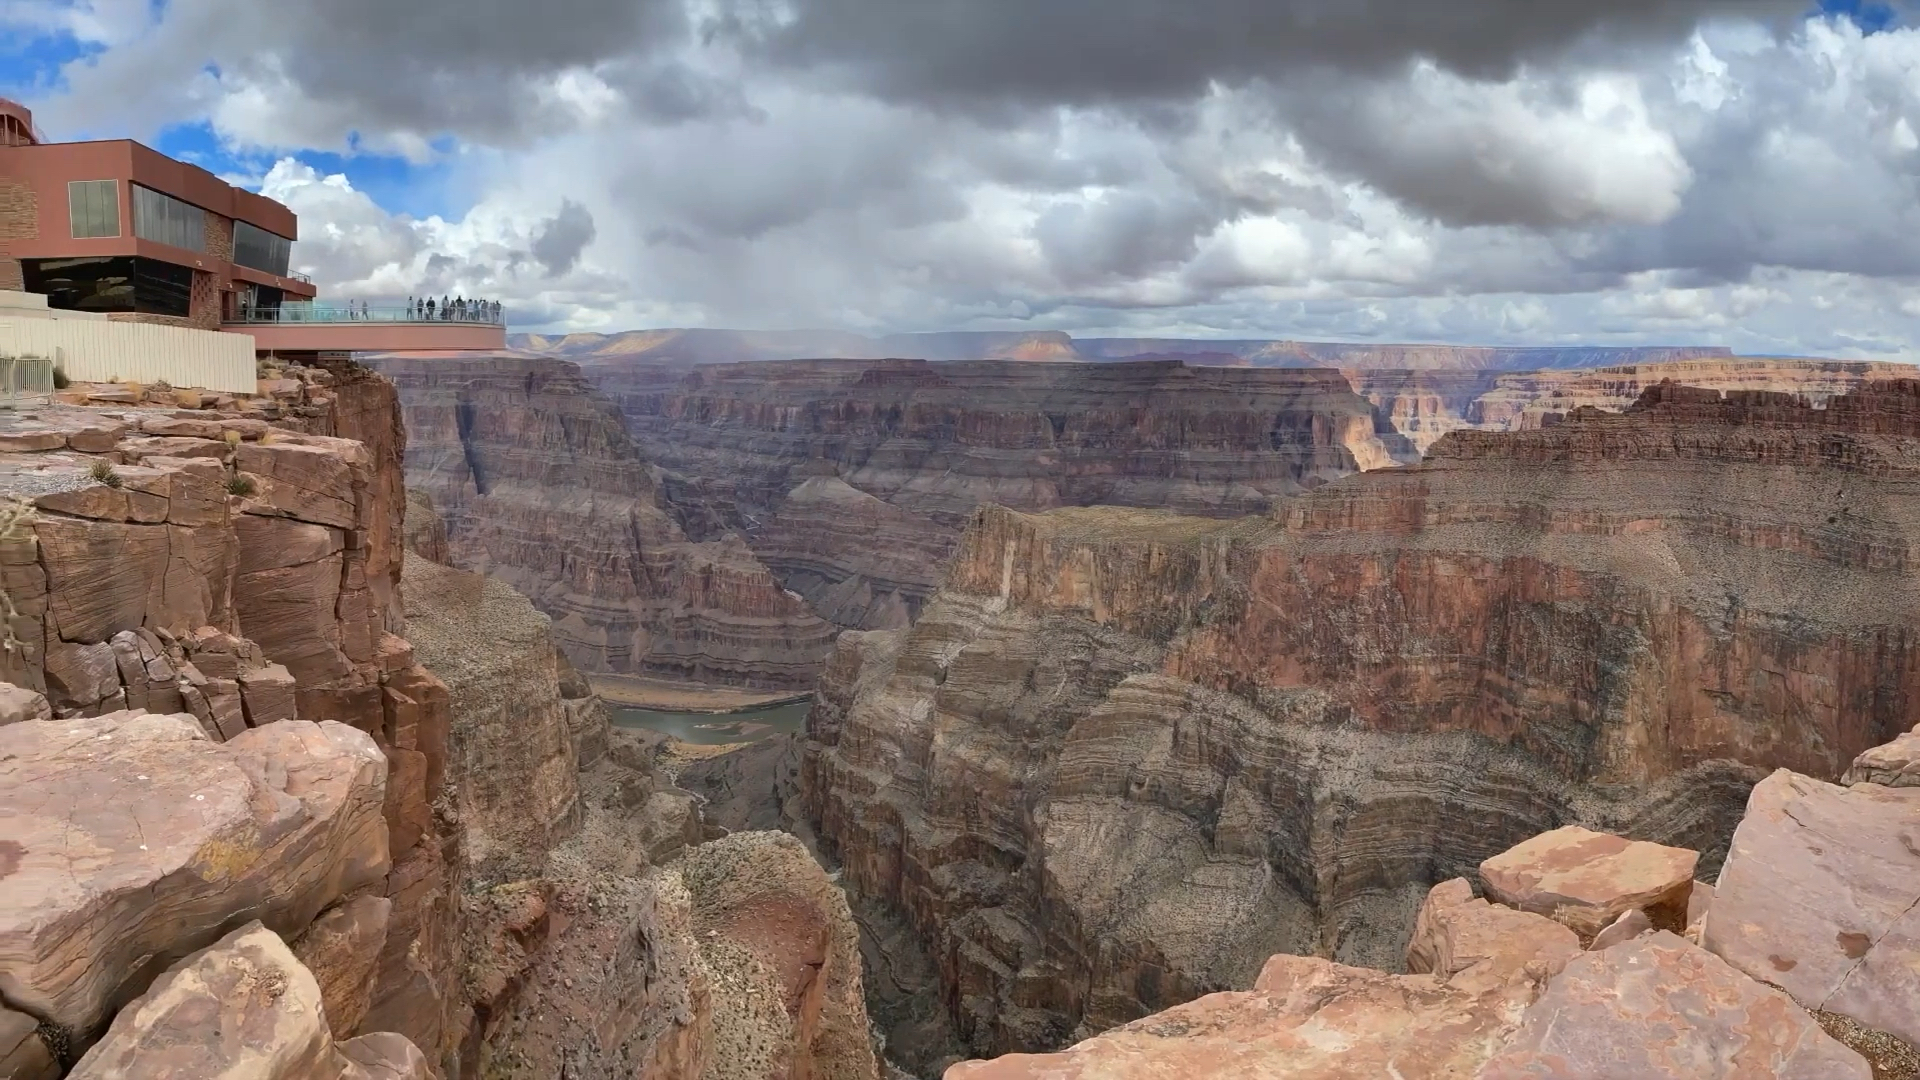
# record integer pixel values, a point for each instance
(487, 314)
(25, 379)
(115, 351)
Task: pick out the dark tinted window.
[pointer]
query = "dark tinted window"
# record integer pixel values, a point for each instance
(257, 248)
(161, 288)
(116, 283)
(96, 284)
(166, 220)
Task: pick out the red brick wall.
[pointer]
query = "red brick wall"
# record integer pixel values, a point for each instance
(219, 236)
(19, 220)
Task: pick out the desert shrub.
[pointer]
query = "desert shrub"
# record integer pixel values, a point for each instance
(102, 470)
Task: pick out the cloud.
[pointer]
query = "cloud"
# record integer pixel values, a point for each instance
(562, 237)
(1712, 171)
(1093, 52)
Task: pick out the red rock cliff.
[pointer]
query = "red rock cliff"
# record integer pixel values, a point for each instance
(1122, 753)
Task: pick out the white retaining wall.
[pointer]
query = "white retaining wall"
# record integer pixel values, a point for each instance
(91, 351)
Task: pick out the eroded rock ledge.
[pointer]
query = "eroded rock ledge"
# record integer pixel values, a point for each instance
(1519, 984)
(1123, 755)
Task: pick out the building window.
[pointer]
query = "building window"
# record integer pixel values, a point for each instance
(93, 208)
(164, 219)
(257, 248)
(111, 283)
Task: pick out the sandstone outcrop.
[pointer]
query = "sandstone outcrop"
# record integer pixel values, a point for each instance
(1587, 880)
(243, 1008)
(852, 479)
(1471, 942)
(1525, 1004)
(342, 949)
(540, 487)
(1305, 1019)
(1656, 1008)
(133, 839)
(1897, 764)
(1821, 897)
(1122, 753)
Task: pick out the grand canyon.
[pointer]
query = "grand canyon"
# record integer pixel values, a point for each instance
(862, 540)
(1149, 699)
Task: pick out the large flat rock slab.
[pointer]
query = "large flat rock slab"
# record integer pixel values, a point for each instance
(1306, 1019)
(1587, 879)
(1658, 1008)
(131, 839)
(1820, 896)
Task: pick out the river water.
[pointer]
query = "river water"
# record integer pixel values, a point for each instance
(746, 725)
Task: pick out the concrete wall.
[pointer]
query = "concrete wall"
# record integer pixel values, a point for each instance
(98, 351)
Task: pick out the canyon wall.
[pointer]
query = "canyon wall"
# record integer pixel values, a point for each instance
(1124, 755)
(1423, 405)
(852, 479)
(181, 585)
(541, 488)
(250, 832)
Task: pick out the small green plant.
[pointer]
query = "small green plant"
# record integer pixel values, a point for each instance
(103, 471)
(60, 380)
(240, 484)
(232, 436)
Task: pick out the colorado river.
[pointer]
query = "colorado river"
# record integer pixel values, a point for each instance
(707, 728)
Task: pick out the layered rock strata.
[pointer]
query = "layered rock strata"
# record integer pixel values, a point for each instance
(205, 564)
(540, 487)
(1424, 405)
(852, 479)
(1123, 754)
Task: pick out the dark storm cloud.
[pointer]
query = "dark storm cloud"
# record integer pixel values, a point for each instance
(1082, 52)
(465, 66)
(563, 237)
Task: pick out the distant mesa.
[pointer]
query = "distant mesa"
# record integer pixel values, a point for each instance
(689, 347)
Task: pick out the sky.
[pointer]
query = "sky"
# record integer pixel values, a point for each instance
(1725, 172)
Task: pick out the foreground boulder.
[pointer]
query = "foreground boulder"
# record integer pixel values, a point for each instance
(1306, 1019)
(1477, 945)
(1897, 764)
(241, 1009)
(1658, 1008)
(1588, 879)
(132, 839)
(1821, 897)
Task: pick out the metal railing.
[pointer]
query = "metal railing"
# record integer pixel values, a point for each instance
(25, 378)
(482, 314)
